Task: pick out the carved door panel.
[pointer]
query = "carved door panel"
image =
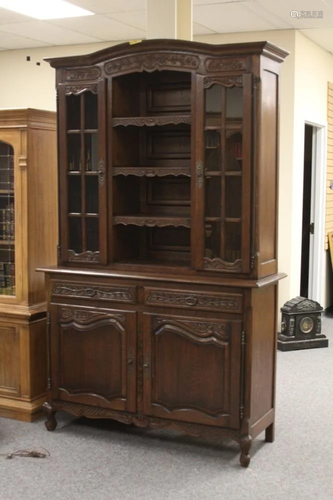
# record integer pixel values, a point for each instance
(82, 151)
(93, 357)
(192, 369)
(223, 173)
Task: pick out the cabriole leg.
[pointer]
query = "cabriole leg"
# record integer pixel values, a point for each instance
(50, 412)
(245, 445)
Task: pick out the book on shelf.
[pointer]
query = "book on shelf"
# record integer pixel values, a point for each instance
(7, 278)
(2, 275)
(7, 222)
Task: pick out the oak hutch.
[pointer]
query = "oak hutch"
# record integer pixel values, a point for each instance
(162, 310)
(28, 238)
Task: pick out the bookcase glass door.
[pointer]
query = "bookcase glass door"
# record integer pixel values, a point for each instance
(225, 174)
(7, 220)
(85, 175)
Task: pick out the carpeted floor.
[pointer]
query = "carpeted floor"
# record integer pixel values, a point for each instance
(104, 460)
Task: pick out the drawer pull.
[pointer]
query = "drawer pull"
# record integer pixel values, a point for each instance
(191, 301)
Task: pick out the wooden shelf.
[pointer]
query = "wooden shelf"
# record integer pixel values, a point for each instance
(152, 171)
(79, 214)
(226, 219)
(213, 219)
(151, 121)
(7, 242)
(220, 126)
(230, 173)
(78, 173)
(152, 263)
(237, 220)
(152, 220)
(85, 131)
(233, 173)
(7, 191)
(212, 173)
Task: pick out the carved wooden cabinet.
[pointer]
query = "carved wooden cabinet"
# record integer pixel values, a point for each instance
(162, 309)
(28, 238)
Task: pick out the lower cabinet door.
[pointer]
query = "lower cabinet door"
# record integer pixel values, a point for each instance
(192, 369)
(93, 357)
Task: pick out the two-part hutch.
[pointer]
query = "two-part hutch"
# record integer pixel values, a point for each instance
(162, 309)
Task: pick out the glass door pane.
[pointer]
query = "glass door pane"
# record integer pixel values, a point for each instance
(7, 220)
(85, 175)
(224, 123)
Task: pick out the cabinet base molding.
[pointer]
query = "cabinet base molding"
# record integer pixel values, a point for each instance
(143, 421)
(21, 410)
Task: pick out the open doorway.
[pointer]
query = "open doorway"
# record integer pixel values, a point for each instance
(307, 223)
(311, 275)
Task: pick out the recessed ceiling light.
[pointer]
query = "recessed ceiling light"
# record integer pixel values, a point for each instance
(45, 9)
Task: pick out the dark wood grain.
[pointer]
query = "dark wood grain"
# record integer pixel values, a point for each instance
(185, 251)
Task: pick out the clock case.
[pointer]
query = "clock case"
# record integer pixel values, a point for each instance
(301, 325)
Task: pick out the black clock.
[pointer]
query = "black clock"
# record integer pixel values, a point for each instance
(301, 325)
(306, 324)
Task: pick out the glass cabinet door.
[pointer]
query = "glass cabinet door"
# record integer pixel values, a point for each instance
(7, 220)
(82, 180)
(223, 173)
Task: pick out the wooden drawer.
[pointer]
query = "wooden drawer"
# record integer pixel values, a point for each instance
(94, 291)
(206, 301)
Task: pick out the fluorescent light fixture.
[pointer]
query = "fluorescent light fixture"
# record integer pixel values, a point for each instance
(45, 9)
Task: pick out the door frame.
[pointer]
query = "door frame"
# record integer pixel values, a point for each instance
(318, 204)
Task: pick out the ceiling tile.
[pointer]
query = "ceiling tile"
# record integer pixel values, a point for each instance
(137, 18)
(104, 28)
(199, 29)
(48, 33)
(230, 18)
(285, 10)
(8, 16)
(110, 6)
(262, 10)
(10, 42)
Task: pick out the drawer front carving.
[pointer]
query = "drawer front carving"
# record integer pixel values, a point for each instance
(93, 291)
(222, 302)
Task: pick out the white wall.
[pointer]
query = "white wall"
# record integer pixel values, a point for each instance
(23, 84)
(313, 70)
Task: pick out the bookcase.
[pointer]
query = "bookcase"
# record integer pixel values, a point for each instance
(162, 308)
(28, 238)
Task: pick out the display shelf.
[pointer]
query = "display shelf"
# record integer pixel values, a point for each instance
(152, 221)
(151, 121)
(152, 171)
